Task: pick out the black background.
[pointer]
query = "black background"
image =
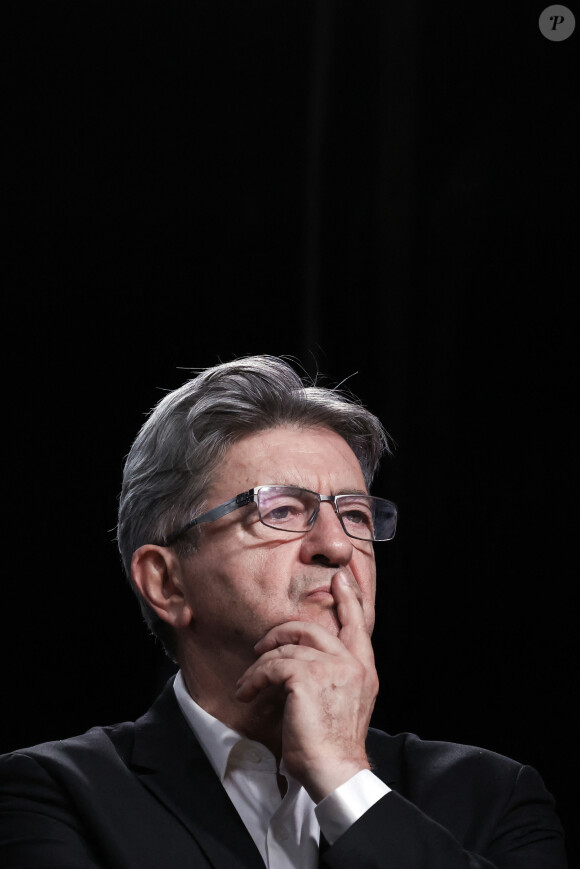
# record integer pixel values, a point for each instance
(387, 193)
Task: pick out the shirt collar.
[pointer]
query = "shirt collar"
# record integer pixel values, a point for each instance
(223, 746)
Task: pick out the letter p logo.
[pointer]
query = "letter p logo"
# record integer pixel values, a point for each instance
(556, 23)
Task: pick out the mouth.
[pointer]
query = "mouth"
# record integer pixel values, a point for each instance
(322, 594)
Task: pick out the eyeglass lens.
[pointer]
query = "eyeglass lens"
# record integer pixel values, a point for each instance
(364, 517)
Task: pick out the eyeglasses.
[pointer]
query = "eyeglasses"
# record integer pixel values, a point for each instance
(288, 508)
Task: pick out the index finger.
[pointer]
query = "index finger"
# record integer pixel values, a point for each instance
(298, 633)
(353, 632)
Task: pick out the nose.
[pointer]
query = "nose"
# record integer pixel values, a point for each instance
(327, 542)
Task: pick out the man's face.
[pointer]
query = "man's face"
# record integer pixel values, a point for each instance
(246, 578)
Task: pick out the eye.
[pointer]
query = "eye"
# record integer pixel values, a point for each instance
(358, 517)
(283, 510)
(357, 513)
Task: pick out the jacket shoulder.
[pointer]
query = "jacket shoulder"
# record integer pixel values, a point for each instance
(423, 767)
(412, 751)
(111, 740)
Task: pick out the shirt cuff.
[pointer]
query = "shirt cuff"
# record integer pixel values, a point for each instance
(345, 805)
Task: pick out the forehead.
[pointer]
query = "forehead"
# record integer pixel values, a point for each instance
(315, 458)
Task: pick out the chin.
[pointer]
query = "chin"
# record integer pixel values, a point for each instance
(328, 620)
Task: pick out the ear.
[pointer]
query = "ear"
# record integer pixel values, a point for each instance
(158, 575)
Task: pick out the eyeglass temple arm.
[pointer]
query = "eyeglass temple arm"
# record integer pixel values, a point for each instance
(211, 515)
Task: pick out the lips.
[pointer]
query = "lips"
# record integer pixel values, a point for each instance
(321, 593)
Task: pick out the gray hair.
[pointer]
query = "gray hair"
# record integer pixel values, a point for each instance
(173, 458)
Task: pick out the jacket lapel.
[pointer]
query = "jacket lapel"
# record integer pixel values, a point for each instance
(172, 765)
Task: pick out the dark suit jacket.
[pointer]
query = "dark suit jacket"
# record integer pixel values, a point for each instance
(142, 795)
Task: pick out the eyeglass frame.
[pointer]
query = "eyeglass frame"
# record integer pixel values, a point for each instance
(251, 496)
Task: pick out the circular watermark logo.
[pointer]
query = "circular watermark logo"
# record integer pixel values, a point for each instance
(557, 23)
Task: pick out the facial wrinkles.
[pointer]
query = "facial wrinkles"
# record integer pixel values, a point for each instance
(305, 583)
(289, 471)
(315, 483)
(323, 467)
(255, 539)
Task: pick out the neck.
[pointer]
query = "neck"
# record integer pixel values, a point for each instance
(214, 689)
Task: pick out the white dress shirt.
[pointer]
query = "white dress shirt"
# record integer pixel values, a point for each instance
(286, 830)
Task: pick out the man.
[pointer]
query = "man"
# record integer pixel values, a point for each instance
(247, 529)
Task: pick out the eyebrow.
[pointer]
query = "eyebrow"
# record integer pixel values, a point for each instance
(340, 492)
(352, 492)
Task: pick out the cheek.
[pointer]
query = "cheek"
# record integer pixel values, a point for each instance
(365, 572)
(246, 572)
(370, 617)
(368, 588)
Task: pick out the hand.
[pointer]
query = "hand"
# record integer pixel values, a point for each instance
(331, 685)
